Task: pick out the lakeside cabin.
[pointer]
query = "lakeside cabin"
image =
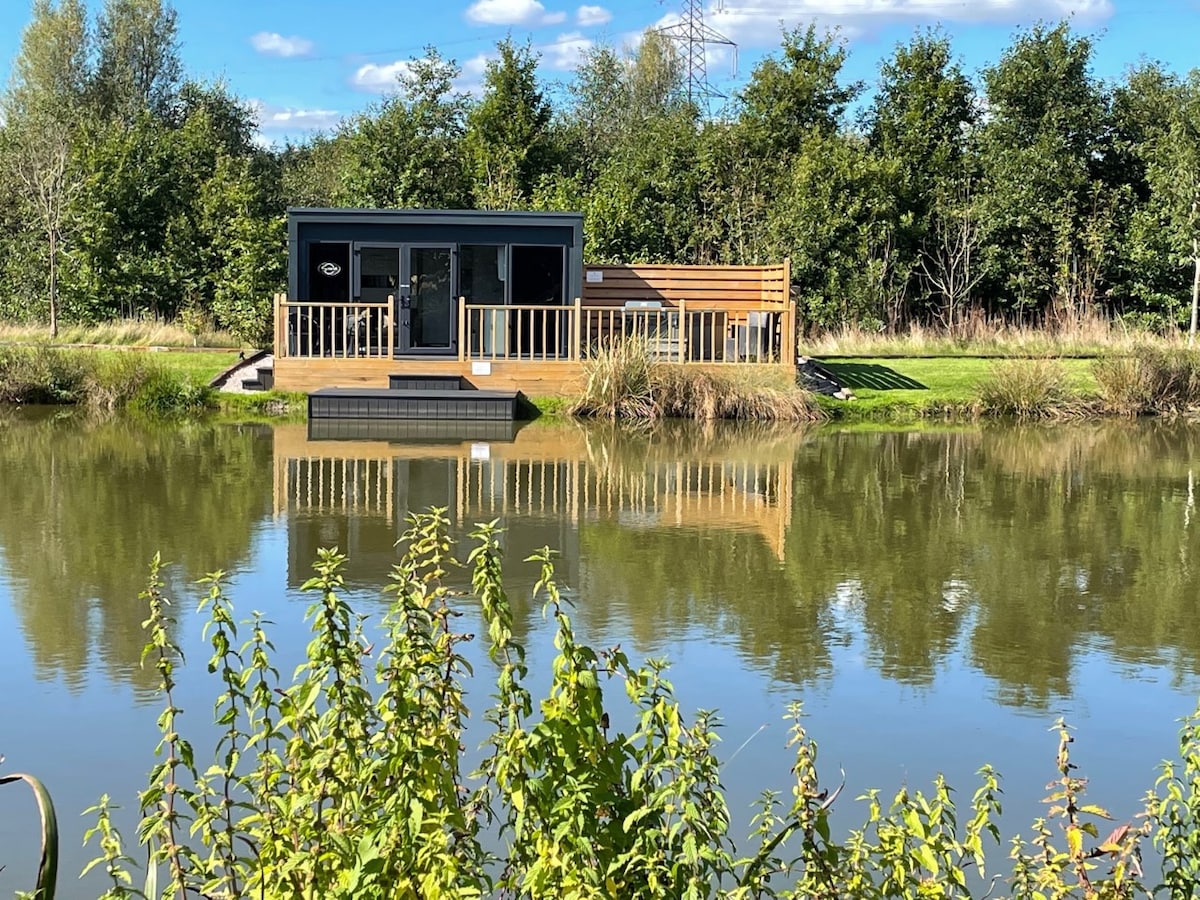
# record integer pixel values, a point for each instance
(500, 301)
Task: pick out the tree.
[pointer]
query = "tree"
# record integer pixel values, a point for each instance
(138, 68)
(788, 98)
(409, 151)
(920, 122)
(1040, 154)
(507, 135)
(41, 111)
(1173, 171)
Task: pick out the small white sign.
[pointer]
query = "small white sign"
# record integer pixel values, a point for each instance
(595, 276)
(481, 451)
(481, 368)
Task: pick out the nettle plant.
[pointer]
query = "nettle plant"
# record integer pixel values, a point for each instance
(349, 780)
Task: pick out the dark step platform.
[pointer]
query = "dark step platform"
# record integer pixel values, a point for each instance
(429, 383)
(388, 403)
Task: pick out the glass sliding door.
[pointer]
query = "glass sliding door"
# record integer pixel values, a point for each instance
(432, 307)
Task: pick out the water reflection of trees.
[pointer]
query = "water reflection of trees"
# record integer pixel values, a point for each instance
(87, 504)
(1044, 540)
(1014, 549)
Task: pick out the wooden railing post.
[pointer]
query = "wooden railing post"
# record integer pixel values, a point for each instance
(577, 330)
(682, 330)
(280, 347)
(462, 329)
(789, 338)
(392, 325)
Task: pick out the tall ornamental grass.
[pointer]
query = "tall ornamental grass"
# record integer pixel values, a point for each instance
(1150, 381)
(624, 380)
(1029, 389)
(349, 778)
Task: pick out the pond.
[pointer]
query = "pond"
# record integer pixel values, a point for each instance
(935, 598)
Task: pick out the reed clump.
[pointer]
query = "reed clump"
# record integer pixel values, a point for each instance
(1030, 389)
(1161, 381)
(623, 380)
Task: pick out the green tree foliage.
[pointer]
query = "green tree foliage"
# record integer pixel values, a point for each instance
(409, 151)
(138, 69)
(42, 117)
(508, 136)
(1045, 216)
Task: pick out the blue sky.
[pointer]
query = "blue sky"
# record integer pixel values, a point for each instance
(306, 64)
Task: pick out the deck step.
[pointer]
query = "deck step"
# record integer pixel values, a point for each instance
(390, 403)
(266, 376)
(253, 384)
(429, 383)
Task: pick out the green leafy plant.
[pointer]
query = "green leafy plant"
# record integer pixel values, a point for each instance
(350, 780)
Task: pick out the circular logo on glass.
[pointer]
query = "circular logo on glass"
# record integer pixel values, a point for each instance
(329, 269)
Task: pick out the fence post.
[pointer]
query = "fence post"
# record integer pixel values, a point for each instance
(280, 326)
(391, 327)
(682, 330)
(577, 330)
(462, 329)
(792, 324)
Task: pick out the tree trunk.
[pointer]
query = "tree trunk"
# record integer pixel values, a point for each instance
(1195, 290)
(54, 283)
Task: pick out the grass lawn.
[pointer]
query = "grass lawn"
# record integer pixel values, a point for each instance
(892, 388)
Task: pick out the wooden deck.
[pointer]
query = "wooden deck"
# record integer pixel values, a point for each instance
(690, 315)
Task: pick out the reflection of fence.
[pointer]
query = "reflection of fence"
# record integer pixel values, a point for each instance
(337, 484)
(711, 493)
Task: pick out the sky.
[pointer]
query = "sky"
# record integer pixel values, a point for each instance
(307, 64)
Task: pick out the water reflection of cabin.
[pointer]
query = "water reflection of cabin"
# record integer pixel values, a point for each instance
(502, 298)
(355, 494)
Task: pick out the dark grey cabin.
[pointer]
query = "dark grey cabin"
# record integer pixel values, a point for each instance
(426, 259)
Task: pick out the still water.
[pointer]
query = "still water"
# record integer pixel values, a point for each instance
(935, 598)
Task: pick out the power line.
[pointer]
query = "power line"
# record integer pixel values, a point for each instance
(692, 36)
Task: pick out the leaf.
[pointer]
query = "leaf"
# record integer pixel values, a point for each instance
(1074, 841)
(47, 873)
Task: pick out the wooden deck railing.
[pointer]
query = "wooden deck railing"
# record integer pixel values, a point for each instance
(679, 331)
(318, 329)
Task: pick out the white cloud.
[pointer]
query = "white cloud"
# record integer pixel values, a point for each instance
(271, 44)
(384, 78)
(281, 120)
(587, 16)
(566, 53)
(530, 13)
(756, 22)
(470, 81)
(381, 78)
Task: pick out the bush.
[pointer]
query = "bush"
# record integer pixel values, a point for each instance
(349, 781)
(41, 375)
(165, 393)
(103, 382)
(1150, 381)
(624, 380)
(1029, 389)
